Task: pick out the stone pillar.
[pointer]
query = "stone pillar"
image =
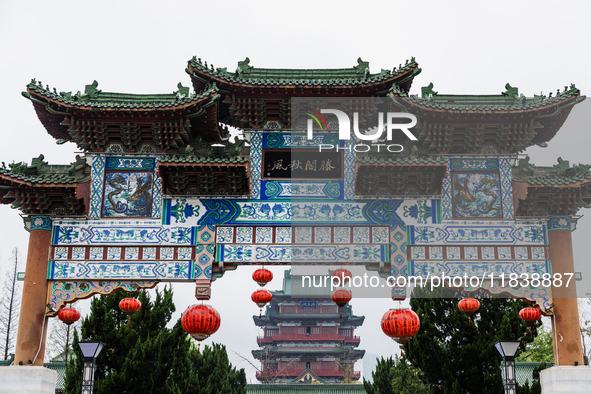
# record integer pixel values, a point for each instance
(32, 327)
(568, 348)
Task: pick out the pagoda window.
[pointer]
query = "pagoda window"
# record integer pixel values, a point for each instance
(329, 330)
(315, 330)
(287, 330)
(329, 309)
(269, 332)
(316, 365)
(302, 330)
(345, 331)
(288, 309)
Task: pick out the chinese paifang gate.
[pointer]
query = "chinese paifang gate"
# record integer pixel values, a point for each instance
(161, 194)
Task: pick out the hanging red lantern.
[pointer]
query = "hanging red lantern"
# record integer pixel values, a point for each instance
(261, 298)
(200, 321)
(345, 276)
(69, 315)
(530, 315)
(401, 324)
(129, 306)
(341, 297)
(262, 276)
(469, 306)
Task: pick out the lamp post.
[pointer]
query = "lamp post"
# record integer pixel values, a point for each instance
(90, 351)
(508, 350)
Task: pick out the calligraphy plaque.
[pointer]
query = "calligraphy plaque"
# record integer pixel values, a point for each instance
(303, 164)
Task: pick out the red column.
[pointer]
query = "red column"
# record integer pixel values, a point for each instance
(566, 329)
(32, 327)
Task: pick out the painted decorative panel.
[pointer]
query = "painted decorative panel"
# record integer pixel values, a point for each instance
(76, 270)
(96, 186)
(312, 253)
(215, 212)
(62, 292)
(87, 234)
(437, 268)
(476, 195)
(477, 232)
(332, 190)
(128, 194)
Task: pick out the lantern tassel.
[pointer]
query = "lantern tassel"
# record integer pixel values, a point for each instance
(529, 331)
(260, 313)
(128, 320)
(341, 314)
(198, 348)
(469, 321)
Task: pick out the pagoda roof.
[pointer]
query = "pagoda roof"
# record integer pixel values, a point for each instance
(352, 354)
(96, 119)
(41, 188)
(557, 190)
(247, 75)
(97, 99)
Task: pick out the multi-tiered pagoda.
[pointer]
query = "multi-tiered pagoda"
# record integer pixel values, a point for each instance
(305, 340)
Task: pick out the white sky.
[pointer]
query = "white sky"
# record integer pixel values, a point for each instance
(463, 47)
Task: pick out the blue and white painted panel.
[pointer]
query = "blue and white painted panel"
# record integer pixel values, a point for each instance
(478, 268)
(305, 254)
(478, 233)
(89, 234)
(93, 270)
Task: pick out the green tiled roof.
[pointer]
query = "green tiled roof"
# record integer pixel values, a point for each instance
(394, 159)
(40, 172)
(559, 174)
(300, 388)
(8, 362)
(502, 102)
(203, 160)
(93, 97)
(246, 74)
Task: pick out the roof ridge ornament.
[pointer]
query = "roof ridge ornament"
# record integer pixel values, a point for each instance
(510, 91)
(91, 90)
(362, 67)
(427, 91)
(243, 67)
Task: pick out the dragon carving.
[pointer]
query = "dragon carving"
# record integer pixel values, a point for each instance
(141, 198)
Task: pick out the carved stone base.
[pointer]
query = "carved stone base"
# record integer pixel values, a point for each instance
(27, 379)
(566, 379)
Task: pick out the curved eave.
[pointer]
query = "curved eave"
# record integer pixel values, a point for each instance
(202, 78)
(558, 183)
(52, 109)
(15, 181)
(548, 116)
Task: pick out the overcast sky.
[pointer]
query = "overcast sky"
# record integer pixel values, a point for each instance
(463, 47)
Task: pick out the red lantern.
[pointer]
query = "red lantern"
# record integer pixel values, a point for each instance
(401, 324)
(69, 315)
(129, 306)
(530, 315)
(262, 276)
(200, 321)
(341, 297)
(469, 306)
(344, 276)
(261, 298)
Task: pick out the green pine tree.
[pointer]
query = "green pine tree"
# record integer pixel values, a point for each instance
(146, 357)
(454, 357)
(382, 382)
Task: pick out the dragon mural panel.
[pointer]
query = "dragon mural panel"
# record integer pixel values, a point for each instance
(476, 195)
(128, 194)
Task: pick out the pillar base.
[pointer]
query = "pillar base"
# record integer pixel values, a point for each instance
(27, 379)
(566, 379)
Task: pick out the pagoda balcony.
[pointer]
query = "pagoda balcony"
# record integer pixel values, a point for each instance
(354, 340)
(275, 373)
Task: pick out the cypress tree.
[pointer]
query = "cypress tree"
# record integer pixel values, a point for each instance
(454, 357)
(146, 357)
